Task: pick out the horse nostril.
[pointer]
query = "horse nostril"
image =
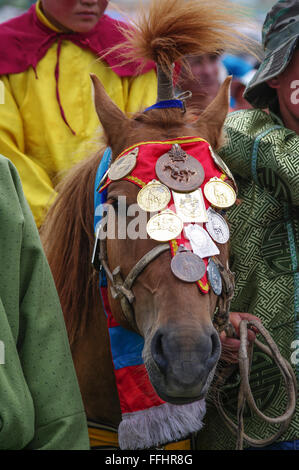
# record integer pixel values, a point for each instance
(158, 352)
(216, 347)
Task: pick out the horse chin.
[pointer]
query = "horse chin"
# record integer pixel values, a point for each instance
(176, 395)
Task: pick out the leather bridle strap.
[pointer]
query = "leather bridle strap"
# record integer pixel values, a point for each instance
(221, 316)
(121, 289)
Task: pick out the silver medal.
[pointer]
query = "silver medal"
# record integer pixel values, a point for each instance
(214, 277)
(217, 227)
(222, 165)
(201, 242)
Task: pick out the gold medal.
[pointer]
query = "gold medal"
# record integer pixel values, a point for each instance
(219, 193)
(165, 226)
(153, 197)
(123, 166)
(190, 206)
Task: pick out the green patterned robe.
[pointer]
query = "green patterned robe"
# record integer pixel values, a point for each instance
(264, 158)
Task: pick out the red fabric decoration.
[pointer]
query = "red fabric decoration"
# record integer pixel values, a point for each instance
(144, 172)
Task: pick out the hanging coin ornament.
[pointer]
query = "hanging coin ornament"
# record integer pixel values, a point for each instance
(190, 206)
(214, 277)
(222, 165)
(164, 226)
(154, 197)
(219, 193)
(217, 227)
(201, 242)
(187, 266)
(123, 166)
(180, 171)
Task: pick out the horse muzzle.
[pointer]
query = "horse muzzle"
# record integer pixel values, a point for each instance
(182, 363)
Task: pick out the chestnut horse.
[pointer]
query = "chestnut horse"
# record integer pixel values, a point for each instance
(181, 344)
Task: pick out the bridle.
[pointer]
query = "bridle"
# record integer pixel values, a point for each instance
(122, 289)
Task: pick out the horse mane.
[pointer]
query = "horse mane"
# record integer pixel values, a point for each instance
(68, 238)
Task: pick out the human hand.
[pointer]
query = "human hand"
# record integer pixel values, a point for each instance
(231, 346)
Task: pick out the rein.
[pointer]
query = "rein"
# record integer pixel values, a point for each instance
(245, 394)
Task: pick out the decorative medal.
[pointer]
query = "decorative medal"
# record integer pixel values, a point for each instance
(190, 206)
(154, 197)
(123, 166)
(187, 266)
(222, 165)
(219, 193)
(180, 171)
(165, 226)
(201, 242)
(217, 227)
(214, 277)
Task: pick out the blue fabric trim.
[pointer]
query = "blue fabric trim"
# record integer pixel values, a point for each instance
(255, 151)
(285, 445)
(166, 104)
(126, 347)
(100, 199)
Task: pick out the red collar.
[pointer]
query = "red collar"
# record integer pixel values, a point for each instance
(25, 40)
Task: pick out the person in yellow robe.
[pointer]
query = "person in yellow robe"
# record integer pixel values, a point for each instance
(48, 121)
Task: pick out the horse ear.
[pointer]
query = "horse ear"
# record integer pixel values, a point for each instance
(211, 121)
(113, 120)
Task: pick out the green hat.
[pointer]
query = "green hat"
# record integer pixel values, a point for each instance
(280, 38)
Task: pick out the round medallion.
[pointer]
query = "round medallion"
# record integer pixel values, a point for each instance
(217, 227)
(214, 277)
(123, 166)
(154, 197)
(165, 226)
(180, 171)
(187, 266)
(219, 193)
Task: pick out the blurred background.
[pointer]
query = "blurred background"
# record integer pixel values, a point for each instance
(10, 8)
(208, 71)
